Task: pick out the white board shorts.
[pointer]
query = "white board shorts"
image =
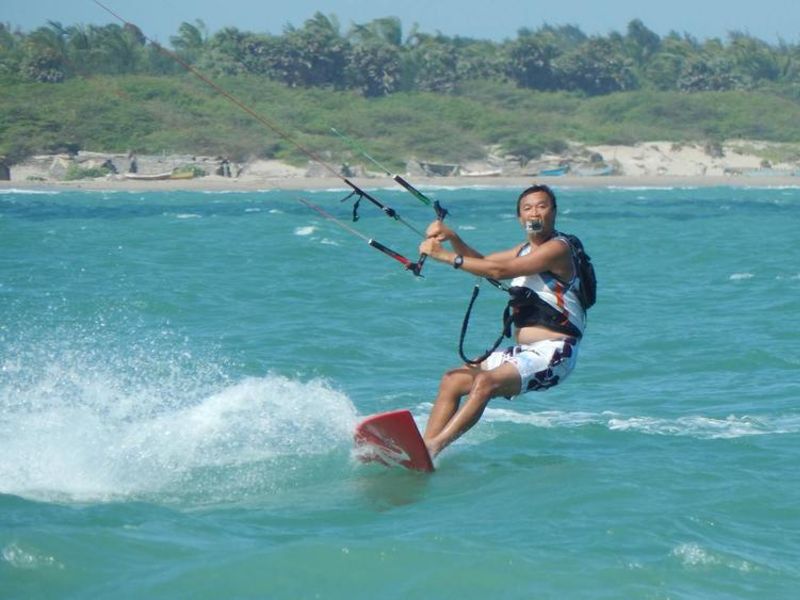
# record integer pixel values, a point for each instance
(541, 365)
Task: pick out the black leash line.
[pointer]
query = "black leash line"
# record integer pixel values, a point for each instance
(266, 122)
(441, 212)
(374, 243)
(360, 149)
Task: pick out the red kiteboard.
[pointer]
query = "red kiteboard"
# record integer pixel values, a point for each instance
(392, 438)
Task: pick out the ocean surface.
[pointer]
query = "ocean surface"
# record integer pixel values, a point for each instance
(181, 372)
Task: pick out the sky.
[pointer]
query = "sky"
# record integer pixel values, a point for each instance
(768, 20)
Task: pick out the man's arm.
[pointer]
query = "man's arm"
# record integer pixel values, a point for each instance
(550, 256)
(443, 233)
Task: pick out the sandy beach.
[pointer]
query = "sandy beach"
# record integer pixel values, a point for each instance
(315, 183)
(647, 164)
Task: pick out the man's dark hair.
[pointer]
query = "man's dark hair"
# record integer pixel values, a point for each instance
(537, 188)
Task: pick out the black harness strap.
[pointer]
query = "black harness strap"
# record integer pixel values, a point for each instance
(356, 204)
(507, 321)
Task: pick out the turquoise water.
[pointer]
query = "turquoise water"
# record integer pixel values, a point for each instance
(180, 374)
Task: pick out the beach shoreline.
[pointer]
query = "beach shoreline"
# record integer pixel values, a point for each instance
(645, 164)
(225, 184)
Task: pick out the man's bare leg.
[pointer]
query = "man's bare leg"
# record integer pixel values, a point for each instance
(455, 384)
(502, 381)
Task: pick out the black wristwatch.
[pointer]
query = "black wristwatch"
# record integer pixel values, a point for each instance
(458, 261)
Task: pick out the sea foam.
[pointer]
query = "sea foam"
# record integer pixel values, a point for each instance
(84, 425)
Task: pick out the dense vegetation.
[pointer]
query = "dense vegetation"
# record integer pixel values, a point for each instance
(446, 98)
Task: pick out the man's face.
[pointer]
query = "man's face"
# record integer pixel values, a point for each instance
(536, 213)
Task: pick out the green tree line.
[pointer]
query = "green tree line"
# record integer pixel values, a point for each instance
(378, 59)
(431, 97)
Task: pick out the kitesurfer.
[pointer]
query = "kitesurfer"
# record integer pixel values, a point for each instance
(548, 317)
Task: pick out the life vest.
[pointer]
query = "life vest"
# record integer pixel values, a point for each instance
(543, 299)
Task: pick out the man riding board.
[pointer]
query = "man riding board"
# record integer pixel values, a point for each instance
(548, 315)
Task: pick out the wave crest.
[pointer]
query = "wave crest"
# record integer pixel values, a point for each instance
(696, 426)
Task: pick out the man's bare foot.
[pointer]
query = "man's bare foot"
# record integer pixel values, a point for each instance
(433, 449)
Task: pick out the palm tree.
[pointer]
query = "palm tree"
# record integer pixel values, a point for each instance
(190, 41)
